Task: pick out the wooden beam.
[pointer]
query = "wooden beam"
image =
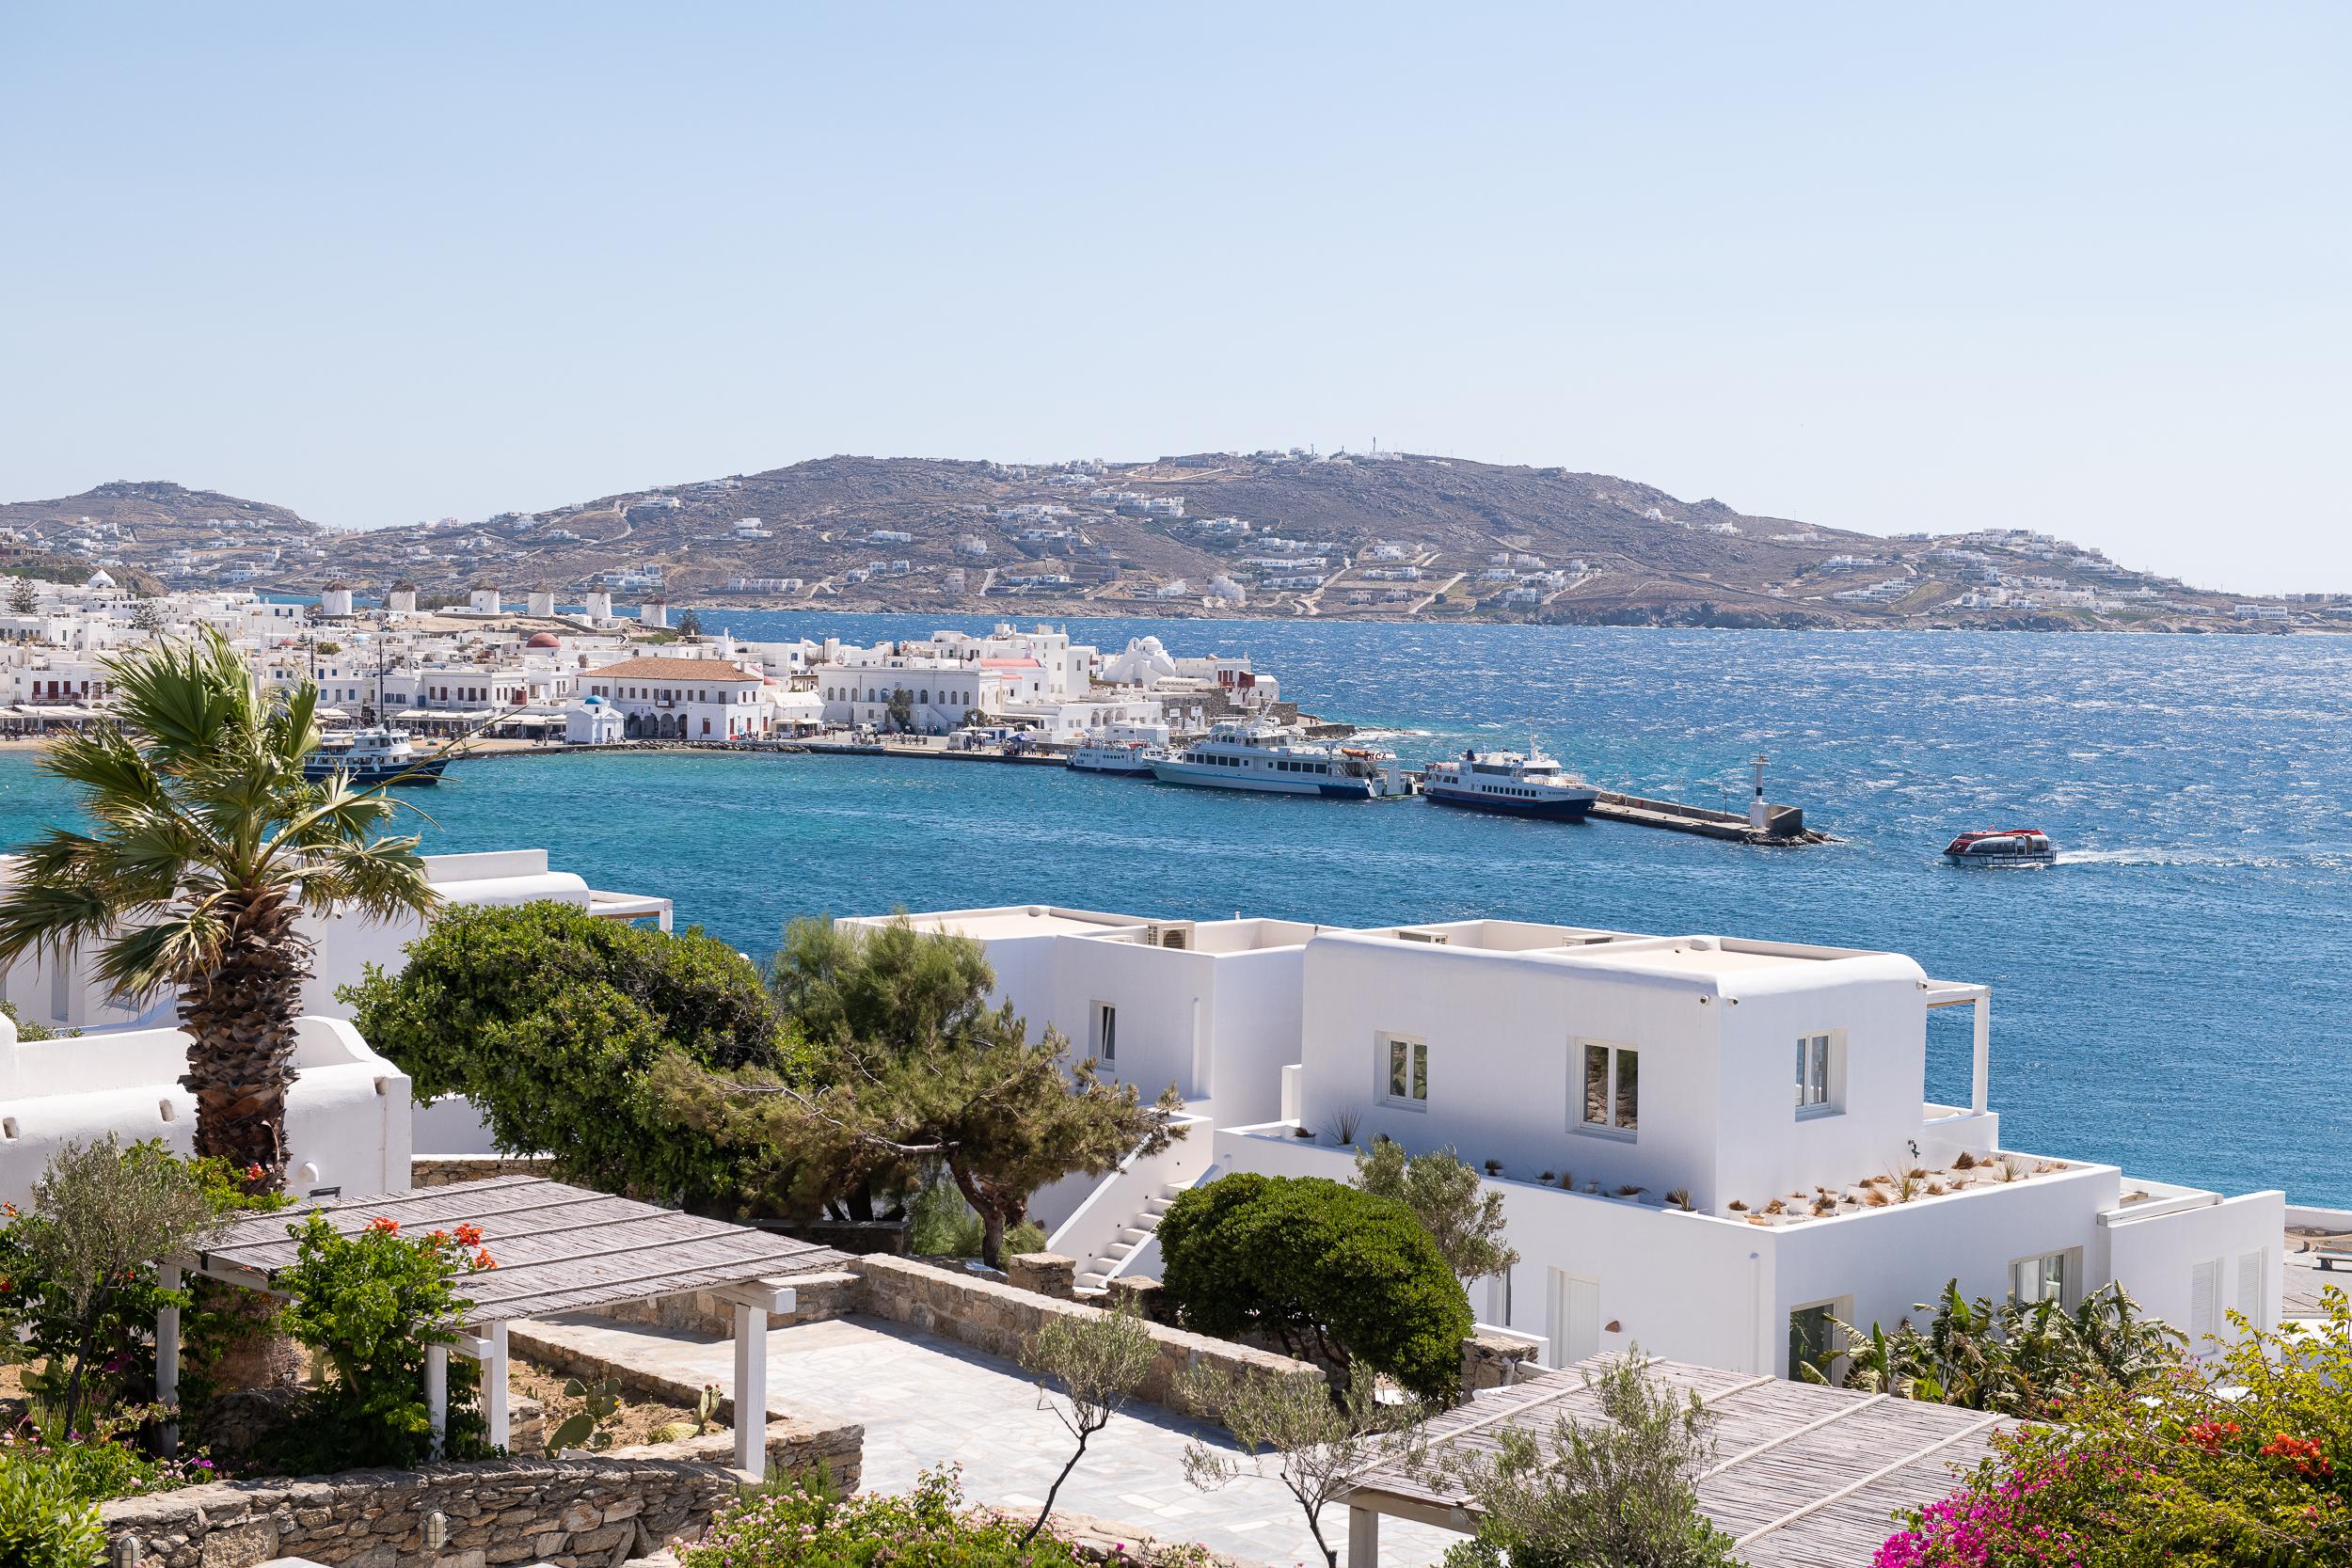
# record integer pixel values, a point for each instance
(751, 1390)
(777, 1301)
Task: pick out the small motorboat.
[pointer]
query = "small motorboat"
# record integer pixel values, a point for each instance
(2002, 846)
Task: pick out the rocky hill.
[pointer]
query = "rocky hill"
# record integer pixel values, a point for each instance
(1290, 533)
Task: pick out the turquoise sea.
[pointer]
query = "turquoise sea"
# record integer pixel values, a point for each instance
(2171, 996)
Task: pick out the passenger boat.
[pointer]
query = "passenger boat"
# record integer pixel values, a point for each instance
(1126, 759)
(373, 756)
(2002, 846)
(1277, 759)
(1515, 784)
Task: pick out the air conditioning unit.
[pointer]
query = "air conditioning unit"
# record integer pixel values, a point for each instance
(1434, 938)
(1179, 937)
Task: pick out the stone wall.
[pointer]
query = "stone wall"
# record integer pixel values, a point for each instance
(996, 1318)
(816, 1298)
(447, 1170)
(572, 1513)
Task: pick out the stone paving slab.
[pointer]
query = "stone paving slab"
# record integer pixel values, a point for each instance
(925, 1401)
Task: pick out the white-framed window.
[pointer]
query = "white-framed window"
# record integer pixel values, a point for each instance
(2045, 1277)
(1820, 1068)
(1405, 1071)
(1107, 1034)
(1608, 1089)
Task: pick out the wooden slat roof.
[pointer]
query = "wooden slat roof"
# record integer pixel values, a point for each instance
(558, 1248)
(1803, 1476)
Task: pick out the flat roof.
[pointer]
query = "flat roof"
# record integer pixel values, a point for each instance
(1016, 920)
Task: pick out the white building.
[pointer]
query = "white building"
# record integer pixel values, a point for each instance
(1705, 1144)
(346, 1113)
(686, 699)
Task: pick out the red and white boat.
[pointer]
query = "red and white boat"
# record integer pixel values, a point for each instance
(2002, 846)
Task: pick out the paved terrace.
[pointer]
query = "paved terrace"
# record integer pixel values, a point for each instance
(927, 1400)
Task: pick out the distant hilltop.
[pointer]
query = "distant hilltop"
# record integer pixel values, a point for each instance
(1342, 535)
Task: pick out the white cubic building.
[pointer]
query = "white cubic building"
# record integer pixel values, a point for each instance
(1707, 1146)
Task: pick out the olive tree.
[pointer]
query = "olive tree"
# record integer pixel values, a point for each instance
(1446, 1196)
(1098, 1360)
(1318, 1439)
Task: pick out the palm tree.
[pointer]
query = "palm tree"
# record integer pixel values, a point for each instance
(205, 846)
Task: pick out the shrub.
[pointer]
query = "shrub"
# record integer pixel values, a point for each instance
(551, 1021)
(2245, 1460)
(1620, 1490)
(369, 1304)
(43, 1523)
(810, 1527)
(1323, 1270)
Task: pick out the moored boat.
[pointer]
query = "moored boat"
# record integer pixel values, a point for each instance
(2002, 846)
(1277, 759)
(1512, 783)
(373, 756)
(1125, 759)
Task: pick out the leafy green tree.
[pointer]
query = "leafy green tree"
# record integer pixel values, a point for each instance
(1445, 1193)
(102, 1216)
(1097, 1360)
(690, 624)
(206, 846)
(1318, 1439)
(553, 1021)
(24, 598)
(901, 710)
(907, 1064)
(1327, 1271)
(1621, 1489)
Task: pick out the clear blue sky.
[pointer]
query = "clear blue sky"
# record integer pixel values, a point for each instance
(2081, 267)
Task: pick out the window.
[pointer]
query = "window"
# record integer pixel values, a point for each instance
(1813, 1073)
(2042, 1278)
(1105, 1032)
(1407, 1080)
(1608, 1094)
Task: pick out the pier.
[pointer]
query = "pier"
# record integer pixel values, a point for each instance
(1783, 825)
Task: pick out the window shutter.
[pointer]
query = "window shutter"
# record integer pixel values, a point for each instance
(2251, 1270)
(2204, 1302)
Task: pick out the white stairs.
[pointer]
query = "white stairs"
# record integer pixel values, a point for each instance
(1107, 1264)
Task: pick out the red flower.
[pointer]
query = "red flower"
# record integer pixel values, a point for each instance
(484, 1261)
(2210, 1435)
(253, 1173)
(438, 1238)
(383, 1227)
(468, 1235)
(2301, 1455)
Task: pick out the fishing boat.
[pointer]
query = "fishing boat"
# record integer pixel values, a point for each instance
(373, 756)
(1515, 784)
(2002, 846)
(1277, 759)
(1125, 759)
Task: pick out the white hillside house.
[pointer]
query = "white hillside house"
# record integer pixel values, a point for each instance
(1708, 1146)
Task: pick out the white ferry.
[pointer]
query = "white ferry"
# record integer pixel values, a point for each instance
(372, 757)
(1277, 759)
(1513, 783)
(2002, 846)
(1126, 759)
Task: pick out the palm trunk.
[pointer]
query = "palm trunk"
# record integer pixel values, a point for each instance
(240, 1023)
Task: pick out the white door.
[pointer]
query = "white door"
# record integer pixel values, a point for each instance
(1574, 1317)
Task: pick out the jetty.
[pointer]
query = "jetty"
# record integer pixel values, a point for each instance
(1764, 823)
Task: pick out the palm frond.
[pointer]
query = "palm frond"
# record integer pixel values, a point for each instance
(106, 767)
(51, 917)
(178, 695)
(380, 879)
(171, 952)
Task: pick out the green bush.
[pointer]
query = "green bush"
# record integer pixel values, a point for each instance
(550, 1021)
(811, 1527)
(369, 1304)
(43, 1522)
(1327, 1271)
(2245, 1460)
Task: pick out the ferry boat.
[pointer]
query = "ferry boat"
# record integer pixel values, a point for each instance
(1126, 759)
(2002, 846)
(371, 757)
(1277, 759)
(1513, 783)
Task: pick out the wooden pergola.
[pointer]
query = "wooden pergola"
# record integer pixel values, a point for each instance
(556, 1250)
(1803, 1477)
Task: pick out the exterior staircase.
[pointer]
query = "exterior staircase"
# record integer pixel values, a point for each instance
(1112, 1260)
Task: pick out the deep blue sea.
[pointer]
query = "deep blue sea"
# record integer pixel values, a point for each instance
(2175, 994)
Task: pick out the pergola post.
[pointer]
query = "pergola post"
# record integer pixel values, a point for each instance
(167, 1357)
(1363, 1537)
(436, 1396)
(494, 1385)
(750, 1389)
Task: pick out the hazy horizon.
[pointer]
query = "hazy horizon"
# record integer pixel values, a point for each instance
(1890, 272)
